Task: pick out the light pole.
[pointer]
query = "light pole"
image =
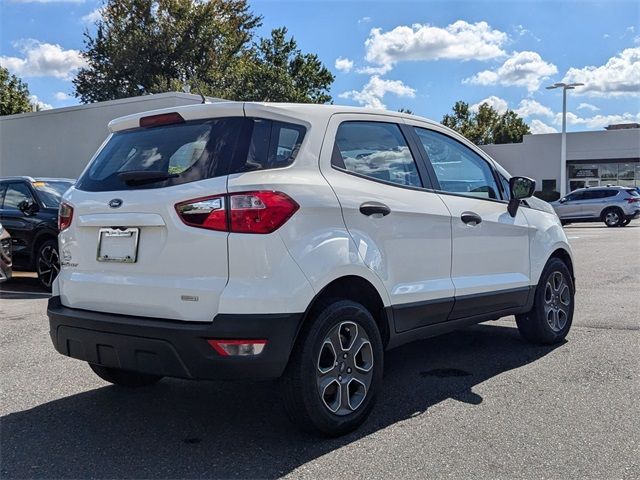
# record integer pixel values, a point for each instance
(563, 152)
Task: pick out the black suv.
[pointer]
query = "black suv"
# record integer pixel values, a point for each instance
(29, 212)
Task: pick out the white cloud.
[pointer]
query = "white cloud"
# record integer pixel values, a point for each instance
(458, 41)
(364, 20)
(499, 104)
(344, 64)
(375, 90)
(38, 103)
(530, 108)
(43, 60)
(588, 106)
(619, 76)
(522, 69)
(598, 121)
(61, 96)
(92, 17)
(538, 126)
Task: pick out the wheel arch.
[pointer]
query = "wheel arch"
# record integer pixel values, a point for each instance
(563, 255)
(358, 289)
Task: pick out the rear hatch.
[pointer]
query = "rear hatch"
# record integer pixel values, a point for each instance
(127, 250)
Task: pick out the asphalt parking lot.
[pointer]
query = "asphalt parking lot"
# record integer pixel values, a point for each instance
(475, 403)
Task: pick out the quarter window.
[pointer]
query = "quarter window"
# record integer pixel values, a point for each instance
(458, 169)
(376, 150)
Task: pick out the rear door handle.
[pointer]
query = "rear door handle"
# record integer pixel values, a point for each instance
(374, 208)
(471, 218)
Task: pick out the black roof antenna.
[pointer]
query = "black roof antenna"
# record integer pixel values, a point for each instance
(204, 99)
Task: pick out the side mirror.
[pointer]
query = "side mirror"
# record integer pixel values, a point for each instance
(521, 188)
(563, 199)
(27, 207)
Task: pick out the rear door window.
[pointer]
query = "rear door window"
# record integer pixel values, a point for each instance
(190, 151)
(375, 150)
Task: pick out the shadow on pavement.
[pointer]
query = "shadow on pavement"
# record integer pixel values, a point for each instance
(181, 429)
(22, 286)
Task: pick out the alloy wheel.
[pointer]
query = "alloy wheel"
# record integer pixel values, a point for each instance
(612, 218)
(557, 301)
(48, 265)
(344, 368)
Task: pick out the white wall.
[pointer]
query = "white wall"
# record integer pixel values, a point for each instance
(538, 156)
(60, 142)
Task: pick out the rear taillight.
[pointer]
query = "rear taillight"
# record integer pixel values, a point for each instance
(633, 199)
(65, 216)
(245, 212)
(242, 348)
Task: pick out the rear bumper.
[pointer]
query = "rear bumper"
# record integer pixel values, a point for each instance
(633, 215)
(172, 348)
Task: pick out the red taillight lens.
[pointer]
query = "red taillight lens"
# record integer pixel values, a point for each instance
(207, 212)
(633, 199)
(65, 215)
(246, 212)
(260, 212)
(242, 348)
(162, 119)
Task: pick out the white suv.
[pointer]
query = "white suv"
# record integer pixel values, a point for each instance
(249, 240)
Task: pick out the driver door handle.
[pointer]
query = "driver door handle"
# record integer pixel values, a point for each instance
(471, 218)
(374, 208)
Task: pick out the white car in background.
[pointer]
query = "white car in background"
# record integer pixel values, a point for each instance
(249, 240)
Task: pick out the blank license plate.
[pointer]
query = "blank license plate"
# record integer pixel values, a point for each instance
(115, 245)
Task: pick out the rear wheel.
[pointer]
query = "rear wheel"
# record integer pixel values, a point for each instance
(550, 318)
(335, 370)
(47, 263)
(613, 217)
(124, 378)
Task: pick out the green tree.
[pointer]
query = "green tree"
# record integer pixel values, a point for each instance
(276, 70)
(14, 94)
(405, 110)
(155, 46)
(486, 125)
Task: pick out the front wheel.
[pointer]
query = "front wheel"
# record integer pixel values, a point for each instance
(549, 320)
(47, 263)
(124, 378)
(335, 370)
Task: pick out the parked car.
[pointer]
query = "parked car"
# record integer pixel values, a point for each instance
(615, 206)
(5, 255)
(246, 240)
(29, 211)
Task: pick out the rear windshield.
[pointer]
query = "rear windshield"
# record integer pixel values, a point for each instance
(50, 192)
(633, 192)
(186, 152)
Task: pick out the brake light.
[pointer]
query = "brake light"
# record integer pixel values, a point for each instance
(245, 212)
(162, 119)
(65, 216)
(633, 199)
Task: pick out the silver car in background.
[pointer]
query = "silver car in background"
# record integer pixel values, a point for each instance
(615, 206)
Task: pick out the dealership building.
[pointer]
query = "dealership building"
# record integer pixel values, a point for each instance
(60, 142)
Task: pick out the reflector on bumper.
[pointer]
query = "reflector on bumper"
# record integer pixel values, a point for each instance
(228, 348)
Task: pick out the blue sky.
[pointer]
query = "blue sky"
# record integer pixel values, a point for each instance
(419, 55)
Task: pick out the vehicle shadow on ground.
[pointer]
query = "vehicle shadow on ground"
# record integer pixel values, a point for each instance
(22, 287)
(181, 429)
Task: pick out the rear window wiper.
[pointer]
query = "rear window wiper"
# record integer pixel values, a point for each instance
(140, 177)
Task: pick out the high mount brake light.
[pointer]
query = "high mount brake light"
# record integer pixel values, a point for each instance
(244, 212)
(162, 119)
(65, 216)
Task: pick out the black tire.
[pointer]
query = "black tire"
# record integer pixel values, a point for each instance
(303, 379)
(47, 263)
(541, 325)
(613, 217)
(124, 378)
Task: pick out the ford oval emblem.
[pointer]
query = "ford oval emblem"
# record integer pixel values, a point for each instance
(115, 203)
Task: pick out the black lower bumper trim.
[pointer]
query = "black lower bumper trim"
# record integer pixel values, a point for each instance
(172, 348)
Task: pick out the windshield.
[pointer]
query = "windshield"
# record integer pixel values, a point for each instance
(50, 192)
